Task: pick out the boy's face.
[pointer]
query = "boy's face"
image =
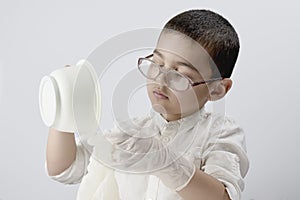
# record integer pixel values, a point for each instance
(174, 51)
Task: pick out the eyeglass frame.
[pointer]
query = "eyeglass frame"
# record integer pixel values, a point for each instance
(191, 83)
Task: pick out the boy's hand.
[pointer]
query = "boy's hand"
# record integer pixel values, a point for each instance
(69, 98)
(55, 99)
(137, 154)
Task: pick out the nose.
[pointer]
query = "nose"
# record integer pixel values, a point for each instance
(161, 78)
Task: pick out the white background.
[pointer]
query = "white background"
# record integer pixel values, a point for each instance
(37, 37)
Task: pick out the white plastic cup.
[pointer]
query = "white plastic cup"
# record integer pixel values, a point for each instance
(56, 97)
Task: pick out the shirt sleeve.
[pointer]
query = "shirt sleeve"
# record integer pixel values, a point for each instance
(74, 173)
(225, 156)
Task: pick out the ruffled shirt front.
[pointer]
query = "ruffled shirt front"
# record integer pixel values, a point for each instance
(213, 142)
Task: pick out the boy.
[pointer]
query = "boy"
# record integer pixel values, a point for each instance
(190, 153)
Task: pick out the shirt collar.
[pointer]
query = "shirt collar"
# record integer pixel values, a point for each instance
(183, 124)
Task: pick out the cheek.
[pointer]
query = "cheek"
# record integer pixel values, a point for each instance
(186, 98)
(150, 87)
(202, 93)
(202, 96)
(149, 93)
(191, 99)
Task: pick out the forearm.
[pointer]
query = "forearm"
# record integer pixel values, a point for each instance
(204, 186)
(61, 151)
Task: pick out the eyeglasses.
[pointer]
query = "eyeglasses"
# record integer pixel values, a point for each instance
(173, 79)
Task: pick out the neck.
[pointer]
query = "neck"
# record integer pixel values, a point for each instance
(173, 117)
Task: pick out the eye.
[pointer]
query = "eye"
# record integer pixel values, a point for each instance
(186, 74)
(161, 64)
(190, 77)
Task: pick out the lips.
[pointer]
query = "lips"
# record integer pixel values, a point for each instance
(160, 95)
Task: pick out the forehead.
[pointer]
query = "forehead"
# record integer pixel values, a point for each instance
(178, 46)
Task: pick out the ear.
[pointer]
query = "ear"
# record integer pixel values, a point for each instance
(219, 89)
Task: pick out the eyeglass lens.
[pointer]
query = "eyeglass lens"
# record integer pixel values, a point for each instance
(173, 79)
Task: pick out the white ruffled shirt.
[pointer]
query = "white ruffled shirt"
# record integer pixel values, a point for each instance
(218, 149)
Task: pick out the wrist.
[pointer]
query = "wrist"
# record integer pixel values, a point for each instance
(178, 174)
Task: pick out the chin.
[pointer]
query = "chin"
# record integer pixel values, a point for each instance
(159, 108)
(164, 109)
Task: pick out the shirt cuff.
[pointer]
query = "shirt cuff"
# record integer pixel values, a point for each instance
(185, 184)
(74, 173)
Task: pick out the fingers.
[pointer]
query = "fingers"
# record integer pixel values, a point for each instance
(116, 137)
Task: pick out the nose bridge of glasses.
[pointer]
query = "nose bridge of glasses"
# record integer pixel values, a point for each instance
(161, 77)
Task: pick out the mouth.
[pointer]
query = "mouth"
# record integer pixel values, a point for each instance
(160, 95)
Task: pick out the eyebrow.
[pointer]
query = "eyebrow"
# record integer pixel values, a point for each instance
(187, 64)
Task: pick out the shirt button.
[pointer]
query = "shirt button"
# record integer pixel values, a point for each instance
(165, 139)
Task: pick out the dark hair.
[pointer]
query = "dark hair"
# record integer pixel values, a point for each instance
(214, 33)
